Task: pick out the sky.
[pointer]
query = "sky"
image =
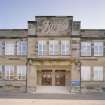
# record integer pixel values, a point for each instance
(14, 14)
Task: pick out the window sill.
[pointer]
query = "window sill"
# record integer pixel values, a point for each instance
(11, 80)
(92, 81)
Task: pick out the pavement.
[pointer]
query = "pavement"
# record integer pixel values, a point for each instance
(89, 96)
(49, 102)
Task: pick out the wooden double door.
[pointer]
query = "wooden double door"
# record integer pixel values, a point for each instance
(48, 76)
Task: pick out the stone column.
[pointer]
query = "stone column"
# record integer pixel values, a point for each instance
(53, 77)
(31, 79)
(75, 78)
(68, 79)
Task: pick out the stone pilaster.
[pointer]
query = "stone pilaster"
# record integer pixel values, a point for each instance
(31, 79)
(53, 77)
(75, 78)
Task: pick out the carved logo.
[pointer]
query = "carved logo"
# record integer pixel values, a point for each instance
(53, 26)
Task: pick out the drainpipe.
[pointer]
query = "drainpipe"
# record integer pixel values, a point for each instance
(26, 75)
(27, 65)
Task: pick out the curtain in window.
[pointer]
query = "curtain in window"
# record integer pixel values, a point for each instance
(65, 47)
(85, 73)
(98, 48)
(42, 47)
(85, 48)
(98, 73)
(54, 47)
(21, 47)
(9, 48)
(21, 72)
(9, 72)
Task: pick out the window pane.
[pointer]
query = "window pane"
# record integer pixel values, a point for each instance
(98, 73)
(21, 47)
(85, 73)
(42, 47)
(9, 72)
(54, 47)
(1, 47)
(18, 48)
(21, 72)
(1, 72)
(98, 48)
(9, 48)
(65, 47)
(85, 48)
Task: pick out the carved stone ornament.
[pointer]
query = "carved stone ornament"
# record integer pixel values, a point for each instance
(53, 26)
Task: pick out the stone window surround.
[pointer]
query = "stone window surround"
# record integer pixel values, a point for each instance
(59, 50)
(15, 75)
(92, 47)
(2, 53)
(92, 73)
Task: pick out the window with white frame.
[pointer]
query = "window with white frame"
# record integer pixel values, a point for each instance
(54, 47)
(22, 47)
(1, 47)
(98, 48)
(85, 48)
(65, 47)
(9, 72)
(98, 73)
(85, 73)
(1, 72)
(42, 47)
(21, 72)
(9, 48)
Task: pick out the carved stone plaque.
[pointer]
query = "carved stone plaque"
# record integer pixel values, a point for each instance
(53, 26)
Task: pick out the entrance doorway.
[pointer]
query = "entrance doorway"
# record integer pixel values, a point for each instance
(53, 81)
(60, 78)
(46, 77)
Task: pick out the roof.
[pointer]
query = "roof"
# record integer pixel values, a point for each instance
(54, 16)
(13, 32)
(93, 33)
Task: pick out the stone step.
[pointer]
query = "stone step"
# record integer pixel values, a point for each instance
(52, 89)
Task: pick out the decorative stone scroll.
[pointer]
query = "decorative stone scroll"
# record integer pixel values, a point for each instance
(54, 26)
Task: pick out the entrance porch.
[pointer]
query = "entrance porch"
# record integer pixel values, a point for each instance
(51, 77)
(53, 81)
(52, 89)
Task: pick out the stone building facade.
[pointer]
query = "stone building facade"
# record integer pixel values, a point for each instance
(54, 55)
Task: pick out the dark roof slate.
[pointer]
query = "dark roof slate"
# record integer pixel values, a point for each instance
(93, 33)
(13, 32)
